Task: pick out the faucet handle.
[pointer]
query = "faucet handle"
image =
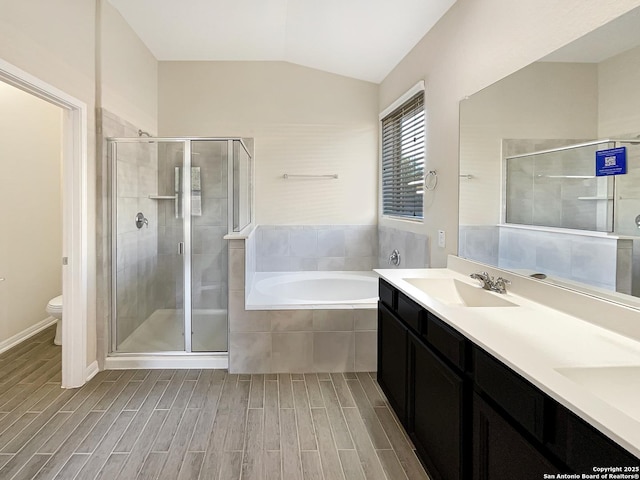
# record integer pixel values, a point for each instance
(500, 285)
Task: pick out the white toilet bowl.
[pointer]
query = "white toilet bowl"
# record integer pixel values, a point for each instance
(54, 308)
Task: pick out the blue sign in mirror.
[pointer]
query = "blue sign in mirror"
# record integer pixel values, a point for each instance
(612, 161)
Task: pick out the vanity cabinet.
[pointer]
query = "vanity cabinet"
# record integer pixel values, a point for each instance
(467, 413)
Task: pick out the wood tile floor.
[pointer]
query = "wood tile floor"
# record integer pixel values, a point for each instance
(193, 424)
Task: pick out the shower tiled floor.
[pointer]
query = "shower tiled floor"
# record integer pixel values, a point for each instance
(190, 424)
(163, 332)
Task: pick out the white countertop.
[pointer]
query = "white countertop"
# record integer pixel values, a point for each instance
(535, 340)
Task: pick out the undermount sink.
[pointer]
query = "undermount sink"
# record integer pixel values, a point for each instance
(618, 386)
(454, 292)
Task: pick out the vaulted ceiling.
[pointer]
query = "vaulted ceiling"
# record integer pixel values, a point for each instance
(363, 39)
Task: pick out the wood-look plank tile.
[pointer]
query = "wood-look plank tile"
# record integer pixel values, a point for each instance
(297, 376)
(272, 465)
(34, 435)
(208, 414)
(172, 390)
(349, 375)
(336, 418)
(4, 458)
(271, 376)
(231, 464)
(368, 458)
(152, 466)
(19, 406)
(141, 374)
(83, 393)
(191, 466)
(112, 466)
(167, 375)
(179, 446)
(373, 394)
(306, 432)
(311, 468)
(113, 375)
(326, 446)
(19, 425)
(12, 375)
(75, 419)
(213, 454)
(9, 394)
(271, 416)
(114, 393)
(256, 396)
(47, 371)
(72, 467)
(102, 452)
(252, 468)
(285, 390)
(391, 465)
(369, 417)
(244, 377)
(128, 440)
(200, 389)
(148, 384)
(168, 431)
(237, 418)
(32, 467)
(401, 446)
(192, 374)
(313, 388)
(66, 449)
(291, 468)
(141, 448)
(342, 390)
(91, 442)
(351, 465)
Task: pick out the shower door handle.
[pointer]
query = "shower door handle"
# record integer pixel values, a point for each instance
(180, 248)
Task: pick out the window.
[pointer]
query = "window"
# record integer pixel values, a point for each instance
(403, 151)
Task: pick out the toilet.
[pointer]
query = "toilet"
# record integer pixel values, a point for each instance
(54, 308)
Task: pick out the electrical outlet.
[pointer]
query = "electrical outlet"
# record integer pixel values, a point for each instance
(442, 239)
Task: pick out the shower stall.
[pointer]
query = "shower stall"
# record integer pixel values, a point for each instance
(173, 202)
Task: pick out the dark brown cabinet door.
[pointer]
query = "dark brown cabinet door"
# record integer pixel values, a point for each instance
(437, 414)
(502, 453)
(392, 360)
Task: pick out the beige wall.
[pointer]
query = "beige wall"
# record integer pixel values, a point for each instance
(303, 121)
(128, 72)
(30, 209)
(619, 95)
(541, 101)
(475, 44)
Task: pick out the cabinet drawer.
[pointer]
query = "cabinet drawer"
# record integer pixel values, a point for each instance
(447, 341)
(387, 294)
(517, 397)
(409, 311)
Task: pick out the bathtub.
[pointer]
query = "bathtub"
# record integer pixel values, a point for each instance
(314, 289)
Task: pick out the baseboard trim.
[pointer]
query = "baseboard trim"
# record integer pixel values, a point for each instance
(25, 334)
(213, 361)
(92, 370)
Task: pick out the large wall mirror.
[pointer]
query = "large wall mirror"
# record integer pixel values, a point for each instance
(530, 199)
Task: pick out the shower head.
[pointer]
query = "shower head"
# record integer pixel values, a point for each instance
(142, 133)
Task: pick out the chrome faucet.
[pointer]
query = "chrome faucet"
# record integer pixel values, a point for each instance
(394, 258)
(484, 279)
(499, 285)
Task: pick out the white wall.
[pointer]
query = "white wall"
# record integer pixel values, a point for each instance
(541, 101)
(128, 72)
(475, 44)
(619, 95)
(30, 209)
(55, 41)
(303, 121)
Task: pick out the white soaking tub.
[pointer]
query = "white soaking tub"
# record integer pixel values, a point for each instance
(313, 289)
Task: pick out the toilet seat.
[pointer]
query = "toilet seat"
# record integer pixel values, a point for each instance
(55, 305)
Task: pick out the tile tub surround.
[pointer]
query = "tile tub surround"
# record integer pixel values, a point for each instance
(413, 248)
(293, 248)
(292, 341)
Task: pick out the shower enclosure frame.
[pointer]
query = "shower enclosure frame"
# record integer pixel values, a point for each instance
(186, 230)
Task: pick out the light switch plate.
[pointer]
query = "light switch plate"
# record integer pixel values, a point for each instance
(442, 239)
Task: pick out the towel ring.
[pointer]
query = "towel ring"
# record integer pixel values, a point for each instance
(431, 180)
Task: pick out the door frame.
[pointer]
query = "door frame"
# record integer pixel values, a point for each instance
(75, 251)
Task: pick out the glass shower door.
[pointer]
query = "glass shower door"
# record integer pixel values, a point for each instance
(148, 243)
(209, 225)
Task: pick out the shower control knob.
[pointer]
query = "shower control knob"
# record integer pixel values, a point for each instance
(141, 220)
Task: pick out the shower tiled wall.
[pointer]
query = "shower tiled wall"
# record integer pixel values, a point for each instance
(285, 248)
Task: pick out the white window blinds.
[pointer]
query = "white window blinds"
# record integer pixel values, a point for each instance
(403, 151)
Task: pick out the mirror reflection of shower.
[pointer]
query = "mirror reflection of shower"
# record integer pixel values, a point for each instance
(170, 278)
